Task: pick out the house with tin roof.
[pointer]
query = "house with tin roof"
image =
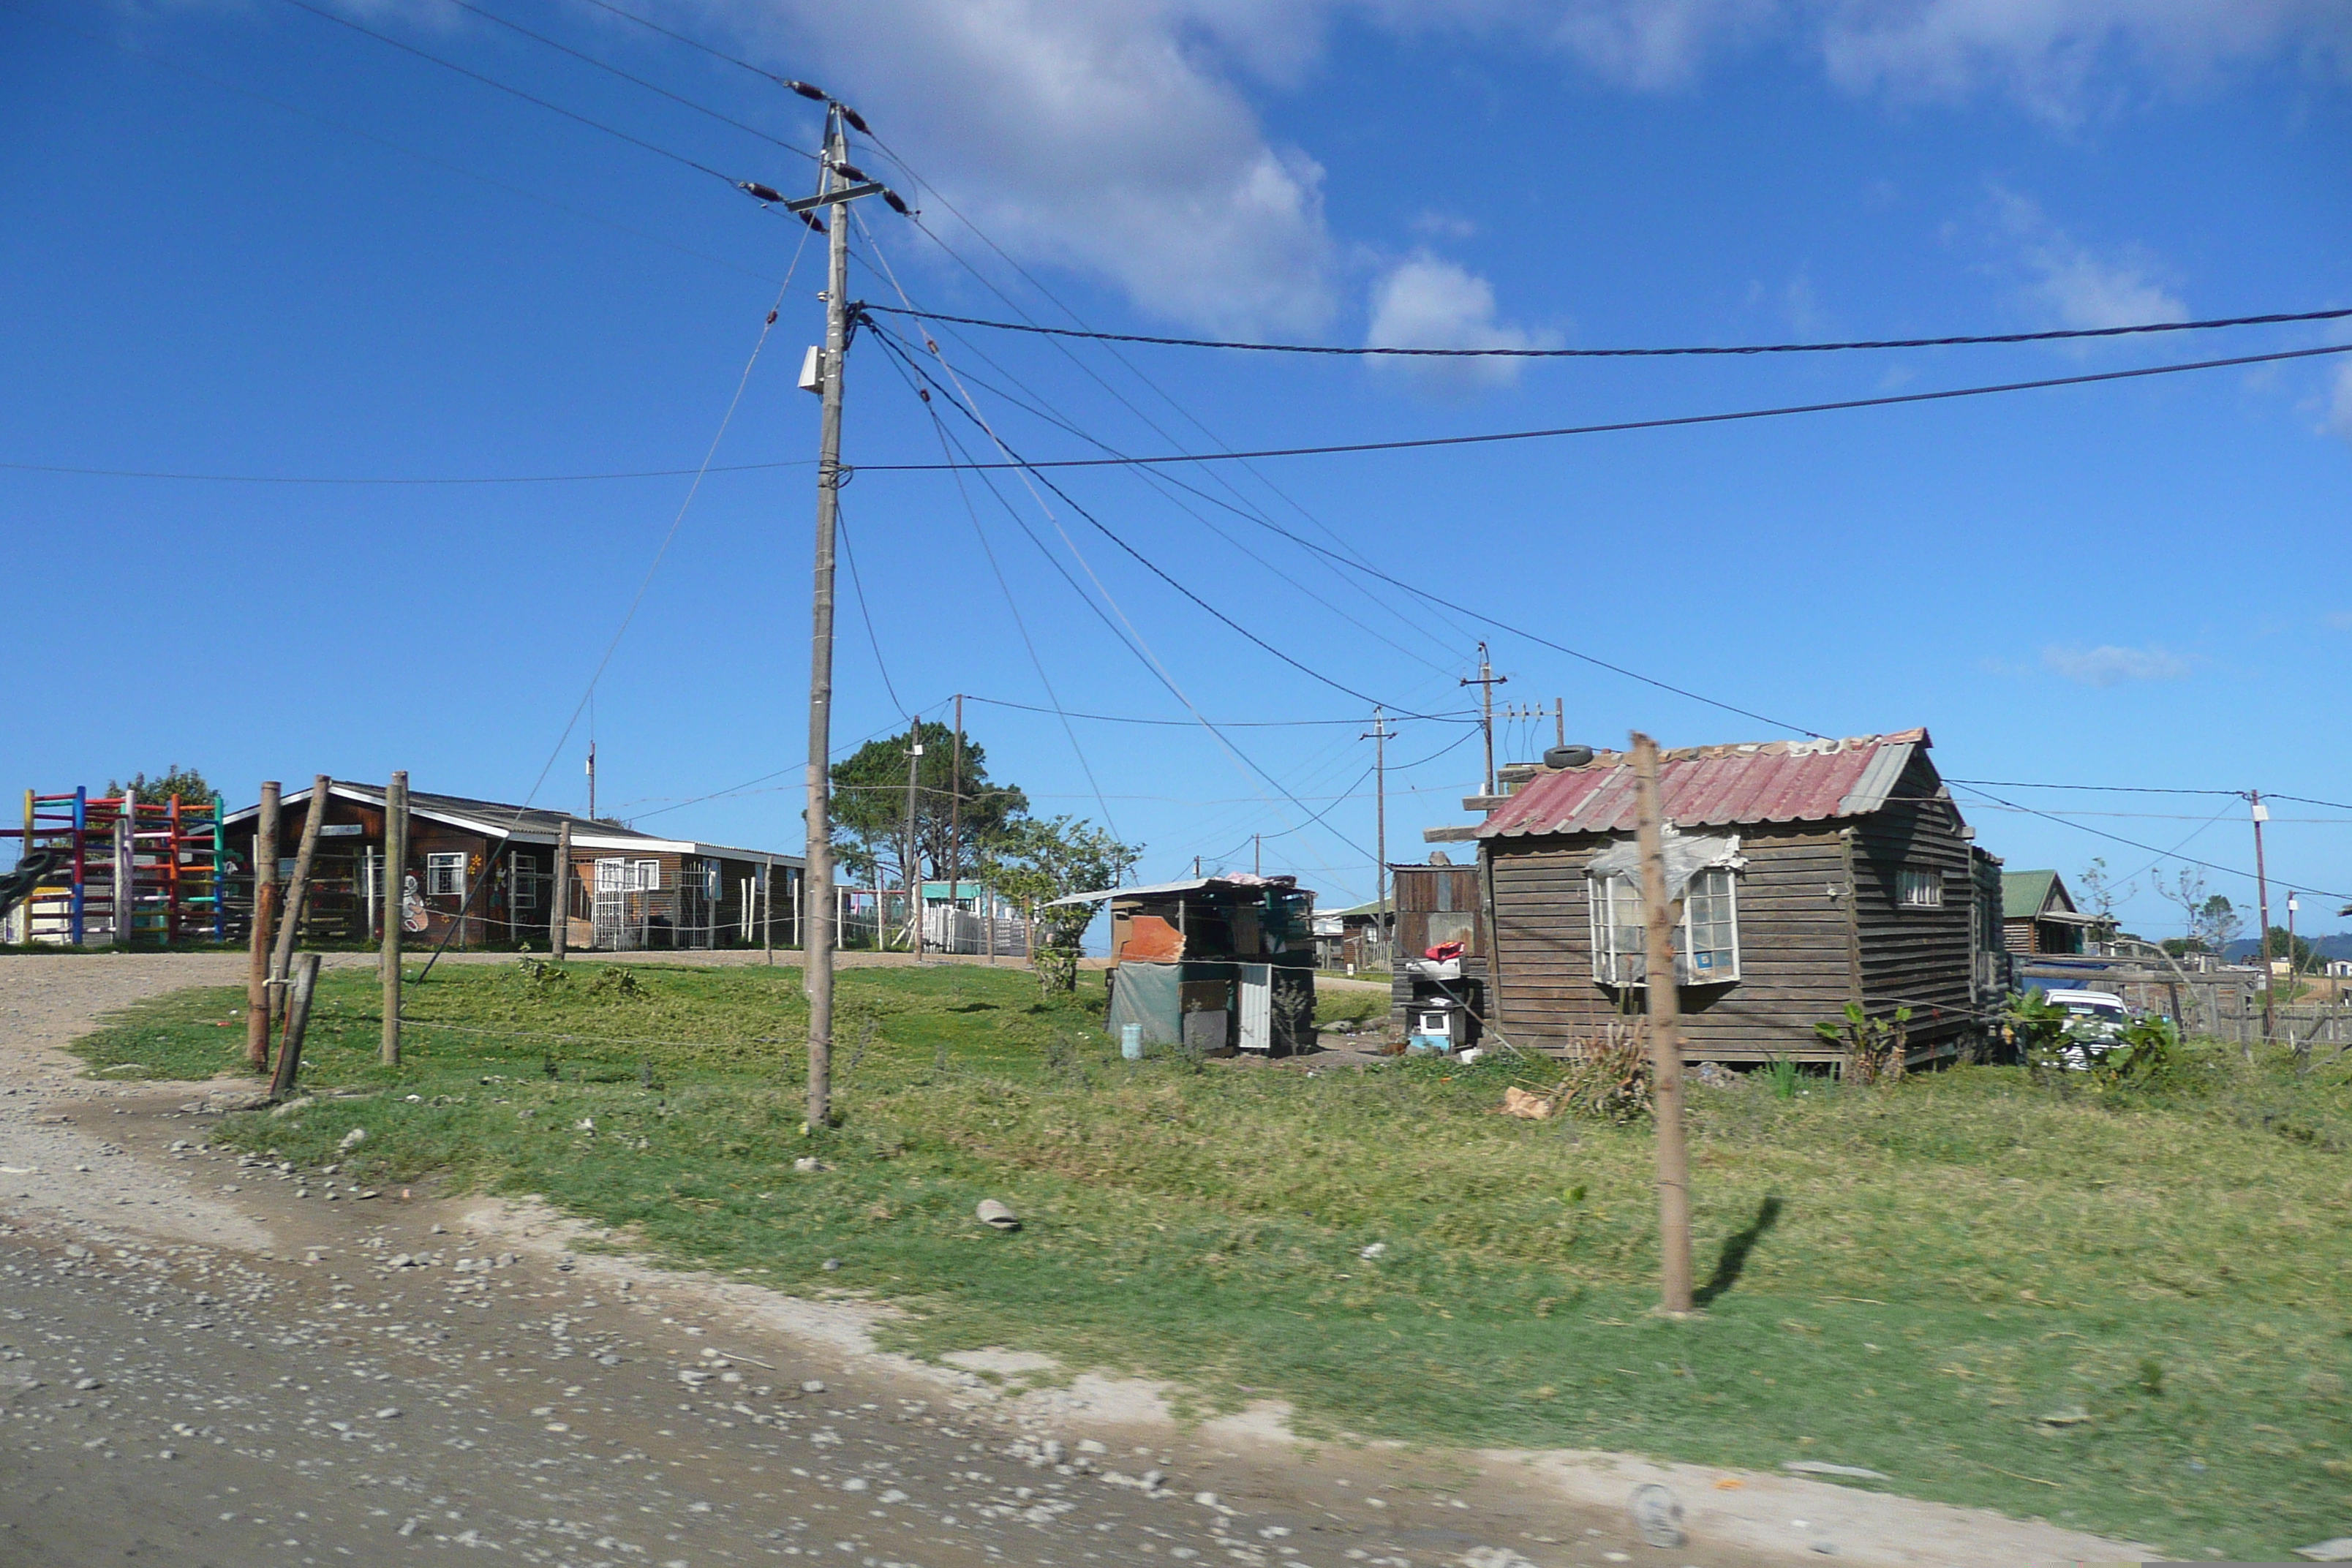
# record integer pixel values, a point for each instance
(1820, 873)
(2038, 915)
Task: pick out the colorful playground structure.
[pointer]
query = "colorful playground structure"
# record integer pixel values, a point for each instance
(122, 870)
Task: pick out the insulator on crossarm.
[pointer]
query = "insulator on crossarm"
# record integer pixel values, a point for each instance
(807, 89)
(758, 192)
(850, 172)
(857, 120)
(896, 205)
(813, 221)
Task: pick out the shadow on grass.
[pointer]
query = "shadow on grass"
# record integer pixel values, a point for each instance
(1736, 1249)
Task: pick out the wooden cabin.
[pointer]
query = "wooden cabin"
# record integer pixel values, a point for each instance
(1826, 872)
(1214, 964)
(488, 869)
(2038, 916)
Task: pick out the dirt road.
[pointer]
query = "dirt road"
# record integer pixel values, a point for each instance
(209, 1361)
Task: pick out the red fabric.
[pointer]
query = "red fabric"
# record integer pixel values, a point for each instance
(1444, 952)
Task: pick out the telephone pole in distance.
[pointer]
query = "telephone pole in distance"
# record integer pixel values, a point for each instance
(1379, 736)
(1486, 680)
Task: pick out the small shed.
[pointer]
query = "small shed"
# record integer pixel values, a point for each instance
(2038, 915)
(1827, 872)
(1441, 906)
(1352, 939)
(1213, 964)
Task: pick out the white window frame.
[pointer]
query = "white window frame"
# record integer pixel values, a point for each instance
(445, 874)
(1619, 938)
(645, 876)
(612, 876)
(522, 886)
(1917, 890)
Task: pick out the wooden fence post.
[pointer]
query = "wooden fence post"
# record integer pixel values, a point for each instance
(395, 908)
(297, 1023)
(559, 920)
(1665, 1036)
(258, 1002)
(298, 890)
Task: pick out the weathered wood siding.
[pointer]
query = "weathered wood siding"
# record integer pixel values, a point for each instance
(1799, 963)
(1912, 957)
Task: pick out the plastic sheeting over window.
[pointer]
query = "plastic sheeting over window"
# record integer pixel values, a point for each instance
(1700, 871)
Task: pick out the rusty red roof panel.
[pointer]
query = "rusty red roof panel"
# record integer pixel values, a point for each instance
(1711, 786)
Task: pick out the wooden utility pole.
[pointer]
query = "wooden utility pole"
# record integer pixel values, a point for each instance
(1660, 916)
(559, 920)
(259, 1003)
(395, 908)
(1486, 680)
(298, 890)
(833, 192)
(1257, 853)
(914, 841)
(2261, 813)
(1559, 720)
(592, 778)
(1381, 920)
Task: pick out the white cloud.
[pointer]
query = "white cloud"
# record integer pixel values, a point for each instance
(1429, 304)
(1104, 137)
(2108, 665)
(2071, 285)
(1114, 137)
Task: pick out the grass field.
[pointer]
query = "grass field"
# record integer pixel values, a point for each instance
(1907, 1279)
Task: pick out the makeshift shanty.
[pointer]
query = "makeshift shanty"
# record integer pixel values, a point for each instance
(1812, 874)
(489, 870)
(1443, 956)
(1212, 964)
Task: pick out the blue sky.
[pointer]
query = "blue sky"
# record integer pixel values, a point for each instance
(242, 239)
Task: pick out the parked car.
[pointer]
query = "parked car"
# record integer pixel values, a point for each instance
(2095, 1021)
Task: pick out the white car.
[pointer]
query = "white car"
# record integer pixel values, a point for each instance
(2095, 1021)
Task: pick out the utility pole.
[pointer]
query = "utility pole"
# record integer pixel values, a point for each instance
(2261, 813)
(1257, 853)
(2294, 966)
(955, 829)
(833, 192)
(258, 1002)
(592, 781)
(1487, 680)
(1382, 918)
(914, 841)
(1661, 916)
(1559, 720)
(396, 887)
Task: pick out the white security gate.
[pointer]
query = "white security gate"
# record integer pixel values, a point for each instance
(1258, 1008)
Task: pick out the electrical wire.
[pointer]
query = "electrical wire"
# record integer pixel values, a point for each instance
(1153, 567)
(1668, 422)
(324, 14)
(397, 479)
(2060, 335)
(1467, 717)
(2147, 848)
(858, 586)
(489, 15)
(406, 152)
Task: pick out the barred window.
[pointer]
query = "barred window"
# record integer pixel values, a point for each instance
(444, 876)
(1919, 889)
(1706, 948)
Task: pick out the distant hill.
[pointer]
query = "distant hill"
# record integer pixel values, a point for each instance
(2250, 949)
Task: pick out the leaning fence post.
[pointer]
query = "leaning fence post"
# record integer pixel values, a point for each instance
(297, 1021)
(259, 1003)
(297, 891)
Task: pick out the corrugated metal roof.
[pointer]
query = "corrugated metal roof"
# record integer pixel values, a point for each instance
(1712, 786)
(1228, 880)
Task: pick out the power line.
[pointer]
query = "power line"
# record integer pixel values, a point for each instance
(2146, 849)
(1106, 531)
(1731, 348)
(864, 611)
(324, 14)
(403, 479)
(406, 152)
(1345, 449)
(1193, 724)
(624, 75)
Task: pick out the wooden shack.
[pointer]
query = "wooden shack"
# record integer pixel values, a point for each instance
(488, 870)
(1212, 964)
(1439, 904)
(2038, 916)
(1829, 872)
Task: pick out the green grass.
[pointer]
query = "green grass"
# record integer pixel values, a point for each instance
(1911, 1275)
